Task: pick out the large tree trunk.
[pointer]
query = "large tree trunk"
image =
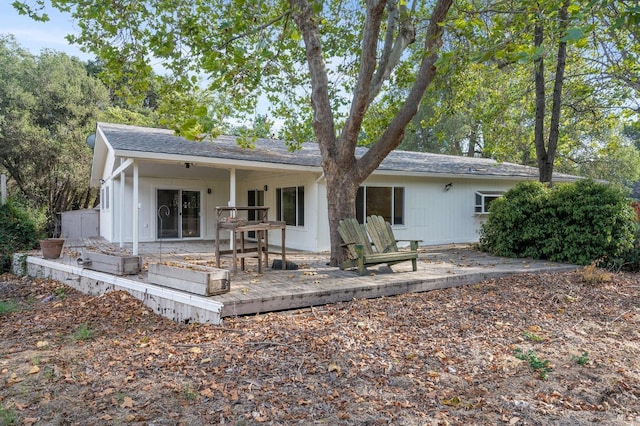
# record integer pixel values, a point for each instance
(343, 172)
(539, 139)
(473, 140)
(546, 154)
(342, 187)
(554, 125)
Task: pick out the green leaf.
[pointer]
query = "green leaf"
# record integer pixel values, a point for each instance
(573, 34)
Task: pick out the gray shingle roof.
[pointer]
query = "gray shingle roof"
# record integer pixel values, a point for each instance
(161, 141)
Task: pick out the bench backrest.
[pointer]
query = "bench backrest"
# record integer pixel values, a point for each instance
(381, 234)
(353, 233)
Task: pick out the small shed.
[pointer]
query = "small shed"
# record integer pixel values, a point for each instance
(78, 224)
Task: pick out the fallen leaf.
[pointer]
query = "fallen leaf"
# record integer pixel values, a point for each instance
(20, 407)
(333, 366)
(207, 393)
(42, 344)
(451, 402)
(35, 369)
(106, 392)
(127, 402)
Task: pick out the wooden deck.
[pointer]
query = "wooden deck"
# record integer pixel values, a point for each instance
(314, 283)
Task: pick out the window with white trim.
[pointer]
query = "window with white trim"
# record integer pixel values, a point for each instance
(385, 201)
(484, 200)
(104, 198)
(290, 205)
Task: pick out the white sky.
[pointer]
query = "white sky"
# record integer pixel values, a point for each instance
(35, 36)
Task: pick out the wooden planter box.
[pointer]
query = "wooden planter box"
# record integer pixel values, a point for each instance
(197, 279)
(111, 263)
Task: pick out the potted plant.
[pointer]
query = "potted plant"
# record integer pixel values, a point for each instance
(51, 247)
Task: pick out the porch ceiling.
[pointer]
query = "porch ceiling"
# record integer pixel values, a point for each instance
(179, 170)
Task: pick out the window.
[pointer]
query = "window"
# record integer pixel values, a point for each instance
(385, 201)
(104, 198)
(290, 205)
(484, 200)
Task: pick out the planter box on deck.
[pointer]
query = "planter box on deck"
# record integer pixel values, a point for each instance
(197, 279)
(115, 264)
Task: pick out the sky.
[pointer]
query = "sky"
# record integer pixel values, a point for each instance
(35, 36)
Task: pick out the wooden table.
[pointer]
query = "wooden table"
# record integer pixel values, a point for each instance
(229, 220)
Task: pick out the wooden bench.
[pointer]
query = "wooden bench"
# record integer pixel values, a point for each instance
(373, 244)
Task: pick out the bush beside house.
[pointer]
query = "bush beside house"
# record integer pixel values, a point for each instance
(20, 230)
(580, 222)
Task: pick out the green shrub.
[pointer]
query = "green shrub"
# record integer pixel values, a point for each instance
(631, 259)
(513, 227)
(20, 229)
(593, 222)
(579, 222)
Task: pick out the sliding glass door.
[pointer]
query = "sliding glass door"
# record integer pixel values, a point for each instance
(178, 214)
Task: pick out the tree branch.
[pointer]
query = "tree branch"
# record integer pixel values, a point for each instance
(323, 121)
(400, 19)
(360, 102)
(258, 28)
(394, 133)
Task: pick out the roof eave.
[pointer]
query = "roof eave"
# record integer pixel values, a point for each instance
(223, 163)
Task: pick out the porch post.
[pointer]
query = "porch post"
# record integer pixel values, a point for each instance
(232, 203)
(121, 219)
(136, 209)
(232, 187)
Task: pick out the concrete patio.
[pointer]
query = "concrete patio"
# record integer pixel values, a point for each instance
(313, 283)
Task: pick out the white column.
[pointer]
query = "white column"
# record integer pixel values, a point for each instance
(232, 202)
(232, 187)
(121, 209)
(136, 209)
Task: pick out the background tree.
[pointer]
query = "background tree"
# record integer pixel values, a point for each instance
(48, 106)
(341, 56)
(487, 94)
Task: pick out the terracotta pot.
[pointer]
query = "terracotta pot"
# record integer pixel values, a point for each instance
(51, 247)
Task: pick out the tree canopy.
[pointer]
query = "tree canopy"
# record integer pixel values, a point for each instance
(485, 104)
(48, 106)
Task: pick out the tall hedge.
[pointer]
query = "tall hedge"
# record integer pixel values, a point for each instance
(579, 222)
(20, 230)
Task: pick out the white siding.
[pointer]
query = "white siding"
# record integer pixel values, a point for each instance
(148, 206)
(106, 214)
(438, 216)
(297, 237)
(431, 213)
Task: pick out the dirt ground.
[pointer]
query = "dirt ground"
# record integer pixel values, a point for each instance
(557, 349)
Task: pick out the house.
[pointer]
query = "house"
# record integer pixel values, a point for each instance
(157, 186)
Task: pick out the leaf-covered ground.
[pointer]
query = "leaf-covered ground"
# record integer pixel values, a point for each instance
(528, 349)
